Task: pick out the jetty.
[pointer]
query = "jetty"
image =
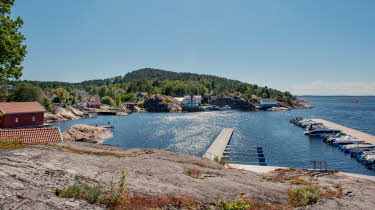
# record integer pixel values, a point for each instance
(358, 134)
(217, 148)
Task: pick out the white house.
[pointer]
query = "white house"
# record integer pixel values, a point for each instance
(268, 103)
(192, 101)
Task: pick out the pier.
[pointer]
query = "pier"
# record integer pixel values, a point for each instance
(217, 148)
(360, 135)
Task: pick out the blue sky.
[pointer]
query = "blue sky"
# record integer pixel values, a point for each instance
(321, 47)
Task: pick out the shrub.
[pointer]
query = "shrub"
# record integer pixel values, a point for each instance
(221, 161)
(303, 196)
(81, 191)
(238, 204)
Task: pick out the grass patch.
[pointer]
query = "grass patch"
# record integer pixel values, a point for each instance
(221, 161)
(195, 173)
(303, 196)
(244, 204)
(81, 191)
(77, 151)
(11, 144)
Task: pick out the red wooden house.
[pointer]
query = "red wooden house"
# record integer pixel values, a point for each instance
(130, 105)
(21, 114)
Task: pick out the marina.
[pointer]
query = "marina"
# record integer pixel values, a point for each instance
(356, 143)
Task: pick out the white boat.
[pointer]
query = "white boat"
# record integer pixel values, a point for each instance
(320, 131)
(226, 107)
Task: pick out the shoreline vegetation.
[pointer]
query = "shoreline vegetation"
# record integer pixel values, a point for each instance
(119, 90)
(81, 175)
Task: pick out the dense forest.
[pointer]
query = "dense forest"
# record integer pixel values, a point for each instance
(155, 81)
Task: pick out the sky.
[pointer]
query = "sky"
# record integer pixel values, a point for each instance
(320, 47)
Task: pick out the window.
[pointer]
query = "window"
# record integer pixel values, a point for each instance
(33, 118)
(16, 119)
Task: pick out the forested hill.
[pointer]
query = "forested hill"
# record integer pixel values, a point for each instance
(166, 82)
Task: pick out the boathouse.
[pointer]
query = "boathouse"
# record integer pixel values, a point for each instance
(94, 102)
(21, 114)
(130, 105)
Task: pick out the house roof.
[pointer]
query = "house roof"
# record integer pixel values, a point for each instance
(20, 107)
(32, 135)
(93, 103)
(193, 96)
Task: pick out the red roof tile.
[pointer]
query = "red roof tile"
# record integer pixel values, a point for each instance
(32, 135)
(20, 107)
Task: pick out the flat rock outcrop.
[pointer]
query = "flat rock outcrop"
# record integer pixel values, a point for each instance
(162, 103)
(60, 114)
(29, 177)
(87, 133)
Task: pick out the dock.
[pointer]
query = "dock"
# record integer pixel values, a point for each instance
(217, 148)
(360, 135)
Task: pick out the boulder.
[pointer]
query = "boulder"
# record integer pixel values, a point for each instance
(64, 113)
(162, 103)
(87, 133)
(75, 111)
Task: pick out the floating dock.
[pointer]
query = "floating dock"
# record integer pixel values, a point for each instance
(217, 148)
(360, 135)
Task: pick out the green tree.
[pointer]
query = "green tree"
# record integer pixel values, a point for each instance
(118, 100)
(62, 94)
(25, 92)
(129, 97)
(107, 100)
(3, 93)
(46, 103)
(103, 91)
(12, 49)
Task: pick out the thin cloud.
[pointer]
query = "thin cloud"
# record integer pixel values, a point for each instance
(321, 87)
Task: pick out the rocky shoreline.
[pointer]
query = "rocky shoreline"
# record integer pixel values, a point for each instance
(85, 133)
(30, 177)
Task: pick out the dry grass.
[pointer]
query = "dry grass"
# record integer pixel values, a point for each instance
(298, 181)
(250, 204)
(337, 193)
(10, 144)
(200, 164)
(195, 173)
(77, 151)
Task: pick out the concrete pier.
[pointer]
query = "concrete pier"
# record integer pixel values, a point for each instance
(363, 136)
(217, 148)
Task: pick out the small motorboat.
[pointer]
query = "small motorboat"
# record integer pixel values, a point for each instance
(320, 131)
(349, 147)
(226, 107)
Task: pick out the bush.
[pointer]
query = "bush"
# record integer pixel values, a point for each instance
(221, 161)
(107, 100)
(81, 191)
(303, 196)
(238, 204)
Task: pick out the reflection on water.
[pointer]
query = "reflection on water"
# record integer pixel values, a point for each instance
(284, 144)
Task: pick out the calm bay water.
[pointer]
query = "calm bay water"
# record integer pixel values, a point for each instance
(284, 144)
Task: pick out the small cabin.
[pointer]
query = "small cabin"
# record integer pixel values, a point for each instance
(268, 103)
(21, 114)
(130, 105)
